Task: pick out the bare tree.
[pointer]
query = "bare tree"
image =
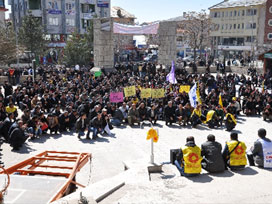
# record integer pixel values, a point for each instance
(197, 27)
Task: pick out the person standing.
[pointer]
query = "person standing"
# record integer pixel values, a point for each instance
(234, 153)
(261, 153)
(212, 158)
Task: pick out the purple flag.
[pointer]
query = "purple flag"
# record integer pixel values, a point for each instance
(171, 76)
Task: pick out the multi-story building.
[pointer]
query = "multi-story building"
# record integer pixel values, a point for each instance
(2, 12)
(241, 27)
(60, 17)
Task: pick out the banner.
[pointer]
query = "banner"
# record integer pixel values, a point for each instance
(116, 97)
(135, 30)
(146, 93)
(130, 91)
(157, 93)
(185, 88)
(97, 74)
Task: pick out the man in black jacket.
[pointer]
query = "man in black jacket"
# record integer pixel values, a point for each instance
(212, 158)
(169, 113)
(96, 126)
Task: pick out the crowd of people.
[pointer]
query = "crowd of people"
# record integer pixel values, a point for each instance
(69, 99)
(191, 159)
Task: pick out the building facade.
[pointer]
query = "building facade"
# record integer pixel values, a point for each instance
(241, 27)
(60, 18)
(2, 12)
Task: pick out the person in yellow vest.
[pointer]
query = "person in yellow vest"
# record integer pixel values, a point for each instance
(12, 109)
(234, 153)
(188, 160)
(196, 116)
(211, 119)
(230, 121)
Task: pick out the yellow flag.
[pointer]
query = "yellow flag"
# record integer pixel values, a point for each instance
(152, 134)
(198, 94)
(220, 102)
(263, 86)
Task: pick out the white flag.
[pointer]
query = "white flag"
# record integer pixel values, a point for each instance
(193, 96)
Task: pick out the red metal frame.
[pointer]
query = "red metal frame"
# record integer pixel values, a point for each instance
(28, 167)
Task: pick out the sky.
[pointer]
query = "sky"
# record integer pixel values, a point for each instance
(152, 10)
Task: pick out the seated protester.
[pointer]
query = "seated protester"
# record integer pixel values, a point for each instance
(133, 115)
(142, 112)
(95, 126)
(6, 126)
(196, 116)
(18, 136)
(25, 103)
(259, 105)
(212, 158)
(3, 113)
(93, 112)
(117, 116)
(250, 107)
(124, 109)
(220, 114)
(72, 119)
(212, 119)
(169, 113)
(234, 153)
(187, 114)
(43, 122)
(180, 114)
(81, 126)
(57, 111)
(63, 121)
(12, 109)
(26, 116)
(231, 108)
(267, 113)
(262, 149)
(106, 126)
(189, 159)
(53, 123)
(34, 127)
(152, 114)
(230, 122)
(36, 111)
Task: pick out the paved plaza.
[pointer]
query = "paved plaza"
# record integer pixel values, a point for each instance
(130, 144)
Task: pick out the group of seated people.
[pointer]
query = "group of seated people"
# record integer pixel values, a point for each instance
(191, 159)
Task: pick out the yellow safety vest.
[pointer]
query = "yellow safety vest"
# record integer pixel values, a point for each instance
(209, 115)
(232, 118)
(197, 112)
(238, 156)
(192, 160)
(10, 110)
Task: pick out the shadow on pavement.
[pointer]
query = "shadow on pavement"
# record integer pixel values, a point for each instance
(26, 149)
(202, 178)
(223, 174)
(248, 171)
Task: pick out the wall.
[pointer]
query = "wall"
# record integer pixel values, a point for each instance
(103, 44)
(268, 16)
(167, 37)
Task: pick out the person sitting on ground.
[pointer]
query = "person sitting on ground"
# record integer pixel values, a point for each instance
(95, 126)
(220, 114)
(12, 109)
(142, 112)
(212, 119)
(212, 158)
(180, 114)
(234, 153)
(152, 114)
(133, 115)
(187, 114)
(18, 136)
(63, 121)
(230, 122)
(188, 160)
(260, 153)
(267, 113)
(250, 107)
(53, 123)
(117, 116)
(81, 125)
(169, 113)
(6, 126)
(124, 109)
(106, 125)
(196, 116)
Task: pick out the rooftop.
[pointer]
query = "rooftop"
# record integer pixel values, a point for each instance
(118, 12)
(238, 3)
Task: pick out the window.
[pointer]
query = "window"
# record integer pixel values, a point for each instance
(234, 26)
(254, 12)
(243, 26)
(270, 22)
(269, 36)
(53, 21)
(222, 27)
(239, 13)
(235, 13)
(251, 12)
(87, 8)
(270, 9)
(86, 23)
(227, 26)
(254, 26)
(223, 14)
(34, 4)
(238, 26)
(70, 22)
(230, 13)
(243, 12)
(230, 26)
(227, 13)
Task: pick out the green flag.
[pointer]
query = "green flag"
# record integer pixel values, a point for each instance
(97, 74)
